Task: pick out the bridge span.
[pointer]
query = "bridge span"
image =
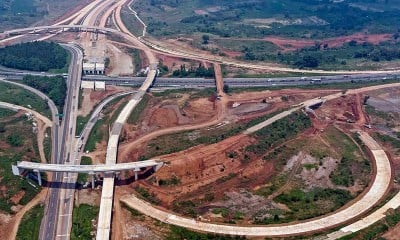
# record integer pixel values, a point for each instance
(90, 169)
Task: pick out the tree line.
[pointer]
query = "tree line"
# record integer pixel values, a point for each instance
(54, 87)
(34, 56)
(200, 71)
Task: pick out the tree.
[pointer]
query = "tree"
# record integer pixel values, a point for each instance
(205, 38)
(226, 88)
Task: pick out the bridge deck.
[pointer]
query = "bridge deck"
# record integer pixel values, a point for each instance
(87, 168)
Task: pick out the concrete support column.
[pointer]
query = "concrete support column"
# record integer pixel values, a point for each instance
(92, 178)
(136, 170)
(118, 175)
(38, 176)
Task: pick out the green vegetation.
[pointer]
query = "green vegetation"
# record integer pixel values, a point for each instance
(179, 233)
(347, 56)
(384, 115)
(34, 56)
(146, 195)
(134, 212)
(96, 135)
(169, 182)
(47, 145)
(316, 202)
(185, 207)
(80, 123)
(19, 143)
(194, 93)
(82, 217)
(342, 175)
(344, 86)
(16, 95)
(351, 158)
(54, 87)
(319, 19)
(19, 13)
(226, 178)
(6, 113)
(82, 177)
(386, 139)
(377, 229)
(179, 141)
(223, 211)
(30, 224)
(200, 71)
(279, 132)
(100, 130)
(275, 183)
(137, 111)
(15, 140)
(137, 60)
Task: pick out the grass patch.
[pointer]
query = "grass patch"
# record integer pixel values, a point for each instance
(134, 212)
(30, 224)
(342, 175)
(350, 155)
(384, 115)
(388, 140)
(6, 113)
(54, 87)
(146, 195)
(82, 177)
(16, 95)
(134, 117)
(316, 202)
(278, 132)
(100, 129)
(136, 59)
(169, 182)
(179, 233)
(96, 135)
(81, 123)
(180, 141)
(80, 99)
(377, 229)
(344, 86)
(82, 217)
(47, 145)
(27, 150)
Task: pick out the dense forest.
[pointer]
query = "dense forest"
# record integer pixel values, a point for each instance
(34, 56)
(54, 87)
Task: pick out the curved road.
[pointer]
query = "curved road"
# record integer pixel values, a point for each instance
(376, 192)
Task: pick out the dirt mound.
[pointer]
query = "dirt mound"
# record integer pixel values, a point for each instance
(164, 117)
(214, 165)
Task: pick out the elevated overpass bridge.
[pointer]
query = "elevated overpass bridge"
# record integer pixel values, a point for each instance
(72, 28)
(108, 169)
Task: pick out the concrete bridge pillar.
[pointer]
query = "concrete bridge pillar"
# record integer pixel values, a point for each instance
(38, 176)
(92, 178)
(118, 175)
(136, 170)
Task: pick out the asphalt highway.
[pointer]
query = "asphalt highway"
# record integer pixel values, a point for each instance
(171, 82)
(48, 226)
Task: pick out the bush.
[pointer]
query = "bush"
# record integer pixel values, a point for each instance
(15, 140)
(54, 87)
